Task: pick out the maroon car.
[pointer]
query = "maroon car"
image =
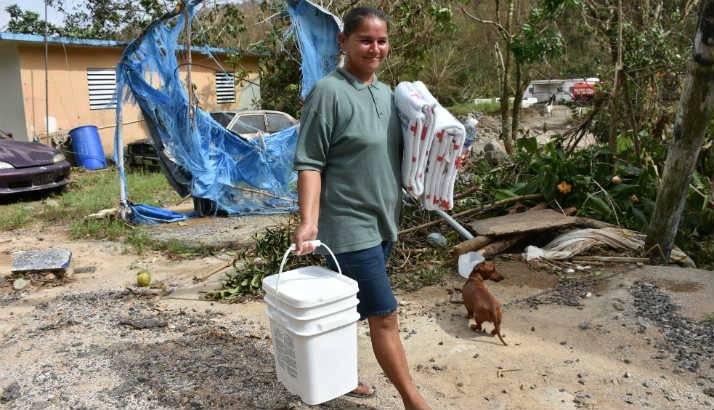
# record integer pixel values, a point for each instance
(29, 166)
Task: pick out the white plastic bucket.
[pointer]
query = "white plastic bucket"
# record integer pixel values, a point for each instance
(313, 323)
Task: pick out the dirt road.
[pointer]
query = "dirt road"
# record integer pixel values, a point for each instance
(610, 340)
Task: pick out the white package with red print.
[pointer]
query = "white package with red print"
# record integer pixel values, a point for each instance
(433, 141)
(416, 114)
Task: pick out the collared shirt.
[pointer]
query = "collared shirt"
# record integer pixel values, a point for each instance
(350, 133)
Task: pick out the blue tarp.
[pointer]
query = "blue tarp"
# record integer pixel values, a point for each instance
(242, 177)
(317, 31)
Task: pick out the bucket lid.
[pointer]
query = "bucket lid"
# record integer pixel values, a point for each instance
(310, 328)
(309, 286)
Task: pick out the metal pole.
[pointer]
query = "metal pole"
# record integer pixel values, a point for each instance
(47, 101)
(189, 84)
(451, 221)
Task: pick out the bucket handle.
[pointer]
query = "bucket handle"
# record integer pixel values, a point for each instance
(316, 243)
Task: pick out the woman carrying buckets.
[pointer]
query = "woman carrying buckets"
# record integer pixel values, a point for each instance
(349, 156)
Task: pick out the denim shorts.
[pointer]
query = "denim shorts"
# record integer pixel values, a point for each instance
(368, 268)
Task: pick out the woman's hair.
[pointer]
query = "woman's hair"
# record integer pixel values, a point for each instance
(355, 16)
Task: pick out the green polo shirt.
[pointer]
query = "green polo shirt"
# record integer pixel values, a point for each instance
(350, 132)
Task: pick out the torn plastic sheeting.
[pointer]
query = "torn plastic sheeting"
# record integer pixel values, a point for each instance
(242, 177)
(316, 30)
(576, 242)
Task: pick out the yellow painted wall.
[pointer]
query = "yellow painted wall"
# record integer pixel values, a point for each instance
(69, 93)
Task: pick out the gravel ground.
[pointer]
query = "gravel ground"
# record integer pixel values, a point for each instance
(140, 357)
(691, 342)
(567, 292)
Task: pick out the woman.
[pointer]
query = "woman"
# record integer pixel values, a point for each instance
(349, 160)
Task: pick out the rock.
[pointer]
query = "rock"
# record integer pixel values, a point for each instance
(10, 393)
(584, 326)
(20, 284)
(84, 269)
(709, 391)
(437, 239)
(50, 277)
(618, 306)
(476, 355)
(41, 260)
(493, 153)
(145, 323)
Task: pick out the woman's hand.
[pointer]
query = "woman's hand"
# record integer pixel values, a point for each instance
(303, 234)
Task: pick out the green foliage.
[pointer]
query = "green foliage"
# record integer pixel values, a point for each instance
(618, 192)
(220, 26)
(279, 71)
(87, 193)
(27, 22)
(628, 201)
(260, 261)
(15, 216)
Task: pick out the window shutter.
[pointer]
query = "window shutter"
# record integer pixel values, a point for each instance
(225, 87)
(102, 83)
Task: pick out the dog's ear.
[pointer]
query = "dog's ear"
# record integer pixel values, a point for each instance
(488, 266)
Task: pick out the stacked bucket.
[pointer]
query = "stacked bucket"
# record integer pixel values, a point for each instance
(313, 322)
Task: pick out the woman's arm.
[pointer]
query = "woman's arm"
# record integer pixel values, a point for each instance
(309, 185)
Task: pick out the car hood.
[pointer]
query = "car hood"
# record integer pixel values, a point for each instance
(21, 154)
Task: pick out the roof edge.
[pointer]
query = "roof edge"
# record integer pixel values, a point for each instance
(6, 36)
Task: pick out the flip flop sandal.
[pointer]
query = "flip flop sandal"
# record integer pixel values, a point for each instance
(370, 392)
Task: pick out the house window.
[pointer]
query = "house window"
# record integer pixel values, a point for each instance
(102, 84)
(225, 87)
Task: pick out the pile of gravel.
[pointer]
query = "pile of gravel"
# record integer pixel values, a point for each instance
(692, 342)
(568, 292)
(112, 349)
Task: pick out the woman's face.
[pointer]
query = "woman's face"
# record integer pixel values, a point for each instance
(366, 47)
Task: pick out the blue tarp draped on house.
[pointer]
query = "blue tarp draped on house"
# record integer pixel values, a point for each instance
(241, 176)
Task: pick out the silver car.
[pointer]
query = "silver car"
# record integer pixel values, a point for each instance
(250, 124)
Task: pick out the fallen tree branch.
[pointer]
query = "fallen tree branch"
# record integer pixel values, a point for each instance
(495, 248)
(592, 223)
(214, 271)
(471, 245)
(104, 213)
(467, 192)
(621, 259)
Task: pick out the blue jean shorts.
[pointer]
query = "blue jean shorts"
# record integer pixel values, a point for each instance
(368, 268)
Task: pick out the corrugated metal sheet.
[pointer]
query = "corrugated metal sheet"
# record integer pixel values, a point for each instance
(225, 87)
(102, 83)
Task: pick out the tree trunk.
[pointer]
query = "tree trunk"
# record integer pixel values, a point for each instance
(693, 115)
(617, 83)
(504, 97)
(520, 87)
(505, 82)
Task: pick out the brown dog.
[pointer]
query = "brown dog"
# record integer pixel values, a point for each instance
(480, 303)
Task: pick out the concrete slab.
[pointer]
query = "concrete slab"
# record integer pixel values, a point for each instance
(537, 220)
(41, 260)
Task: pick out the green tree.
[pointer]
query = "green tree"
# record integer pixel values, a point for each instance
(28, 22)
(523, 40)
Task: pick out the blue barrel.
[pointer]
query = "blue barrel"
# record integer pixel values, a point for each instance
(87, 147)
